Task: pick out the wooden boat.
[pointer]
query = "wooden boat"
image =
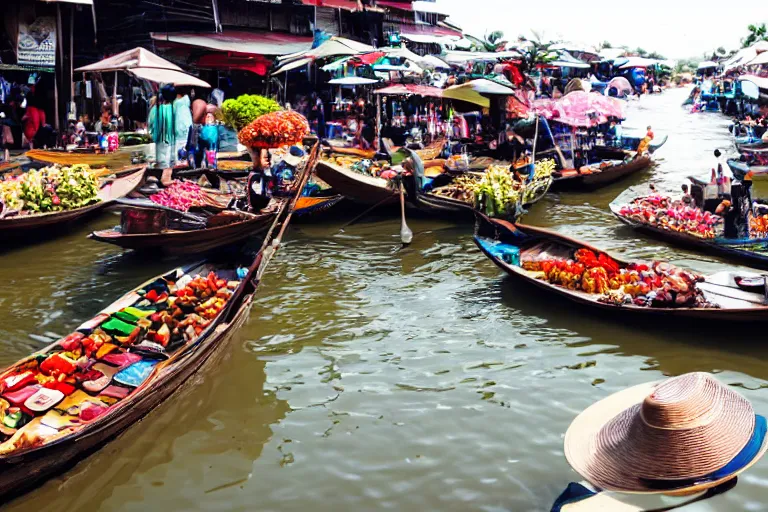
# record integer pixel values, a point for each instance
(242, 226)
(740, 169)
(9, 166)
(225, 228)
(362, 189)
(114, 160)
(606, 176)
(111, 190)
(37, 450)
(752, 252)
(735, 303)
(307, 206)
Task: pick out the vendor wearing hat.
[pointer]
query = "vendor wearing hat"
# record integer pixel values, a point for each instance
(284, 171)
(687, 437)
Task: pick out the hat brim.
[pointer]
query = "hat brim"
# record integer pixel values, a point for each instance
(584, 429)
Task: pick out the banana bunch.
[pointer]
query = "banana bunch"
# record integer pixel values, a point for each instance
(543, 168)
(498, 194)
(462, 188)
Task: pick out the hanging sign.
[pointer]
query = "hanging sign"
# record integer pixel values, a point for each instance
(37, 43)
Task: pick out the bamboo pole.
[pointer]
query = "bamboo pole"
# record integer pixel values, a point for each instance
(59, 66)
(72, 58)
(114, 97)
(377, 142)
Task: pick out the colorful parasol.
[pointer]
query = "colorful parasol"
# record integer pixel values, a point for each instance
(283, 128)
(580, 108)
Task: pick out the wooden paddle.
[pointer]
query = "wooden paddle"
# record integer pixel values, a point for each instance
(406, 235)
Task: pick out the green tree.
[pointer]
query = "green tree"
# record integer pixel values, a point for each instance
(640, 52)
(605, 45)
(494, 41)
(756, 33)
(656, 55)
(536, 52)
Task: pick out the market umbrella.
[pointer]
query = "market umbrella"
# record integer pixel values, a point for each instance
(411, 89)
(476, 91)
(580, 109)
(147, 66)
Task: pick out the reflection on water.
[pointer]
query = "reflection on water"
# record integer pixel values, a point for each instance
(374, 377)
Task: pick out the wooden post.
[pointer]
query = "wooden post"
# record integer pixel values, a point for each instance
(72, 57)
(377, 142)
(215, 6)
(59, 65)
(114, 97)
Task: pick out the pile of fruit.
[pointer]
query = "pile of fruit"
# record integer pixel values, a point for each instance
(540, 181)
(662, 212)
(273, 130)
(50, 189)
(361, 165)
(758, 227)
(462, 188)
(498, 193)
(658, 285)
(103, 362)
(180, 195)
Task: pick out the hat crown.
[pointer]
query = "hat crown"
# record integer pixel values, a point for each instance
(682, 403)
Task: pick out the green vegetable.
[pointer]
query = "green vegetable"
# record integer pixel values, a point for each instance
(50, 189)
(238, 113)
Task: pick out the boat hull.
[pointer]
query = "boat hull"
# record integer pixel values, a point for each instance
(601, 179)
(22, 226)
(712, 247)
(187, 242)
(42, 464)
(361, 189)
(744, 314)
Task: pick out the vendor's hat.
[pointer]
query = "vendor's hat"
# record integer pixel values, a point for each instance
(293, 156)
(688, 432)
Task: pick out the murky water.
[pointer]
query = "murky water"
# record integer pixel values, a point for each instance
(373, 378)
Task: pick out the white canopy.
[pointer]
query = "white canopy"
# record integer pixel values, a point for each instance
(352, 80)
(476, 91)
(432, 62)
(761, 58)
(145, 65)
(707, 64)
(638, 62)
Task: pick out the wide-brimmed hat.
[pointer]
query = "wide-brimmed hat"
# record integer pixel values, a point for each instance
(665, 437)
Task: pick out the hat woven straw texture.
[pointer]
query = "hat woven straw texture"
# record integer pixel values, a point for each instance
(681, 429)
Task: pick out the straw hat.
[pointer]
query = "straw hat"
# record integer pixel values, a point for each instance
(661, 437)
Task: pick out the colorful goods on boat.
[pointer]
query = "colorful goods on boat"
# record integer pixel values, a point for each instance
(180, 195)
(758, 227)
(498, 193)
(661, 212)
(363, 166)
(462, 188)
(655, 285)
(50, 189)
(276, 129)
(541, 179)
(55, 393)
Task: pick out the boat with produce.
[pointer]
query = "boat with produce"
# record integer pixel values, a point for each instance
(592, 177)
(356, 179)
(56, 195)
(665, 219)
(586, 275)
(65, 401)
(495, 190)
(185, 218)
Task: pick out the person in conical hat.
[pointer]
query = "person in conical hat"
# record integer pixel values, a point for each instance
(688, 437)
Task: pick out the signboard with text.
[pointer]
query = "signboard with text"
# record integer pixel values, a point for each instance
(37, 43)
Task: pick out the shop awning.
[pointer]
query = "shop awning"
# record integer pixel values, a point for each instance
(81, 2)
(352, 80)
(477, 91)
(347, 5)
(240, 41)
(428, 30)
(411, 89)
(392, 4)
(334, 47)
(168, 76)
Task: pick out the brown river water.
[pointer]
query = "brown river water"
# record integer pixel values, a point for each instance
(371, 377)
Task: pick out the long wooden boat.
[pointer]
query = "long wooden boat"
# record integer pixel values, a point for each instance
(111, 190)
(197, 241)
(135, 374)
(308, 206)
(736, 304)
(362, 189)
(752, 252)
(114, 160)
(740, 169)
(602, 178)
